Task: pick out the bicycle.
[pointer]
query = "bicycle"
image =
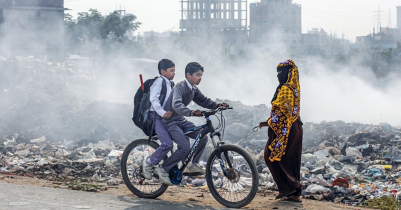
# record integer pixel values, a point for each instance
(231, 173)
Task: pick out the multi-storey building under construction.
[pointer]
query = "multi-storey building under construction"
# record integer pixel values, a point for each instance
(216, 18)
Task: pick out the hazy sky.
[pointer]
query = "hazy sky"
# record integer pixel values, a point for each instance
(354, 18)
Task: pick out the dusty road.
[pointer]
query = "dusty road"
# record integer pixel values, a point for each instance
(19, 192)
(14, 196)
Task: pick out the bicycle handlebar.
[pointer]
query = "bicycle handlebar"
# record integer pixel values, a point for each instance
(212, 112)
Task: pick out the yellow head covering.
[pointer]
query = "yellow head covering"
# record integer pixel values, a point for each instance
(285, 111)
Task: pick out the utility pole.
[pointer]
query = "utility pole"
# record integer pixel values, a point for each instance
(379, 19)
(389, 22)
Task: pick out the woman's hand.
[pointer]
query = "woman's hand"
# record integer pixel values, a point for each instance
(263, 124)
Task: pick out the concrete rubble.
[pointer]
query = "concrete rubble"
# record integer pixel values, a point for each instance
(53, 128)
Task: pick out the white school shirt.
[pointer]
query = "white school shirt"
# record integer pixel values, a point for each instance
(192, 88)
(155, 94)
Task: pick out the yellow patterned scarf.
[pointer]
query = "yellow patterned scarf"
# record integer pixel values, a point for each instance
(285, 111)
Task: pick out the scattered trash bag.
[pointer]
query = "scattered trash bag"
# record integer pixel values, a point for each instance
(341, 182)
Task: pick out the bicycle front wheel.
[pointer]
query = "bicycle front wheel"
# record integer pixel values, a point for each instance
(131, 170)
(239, 186)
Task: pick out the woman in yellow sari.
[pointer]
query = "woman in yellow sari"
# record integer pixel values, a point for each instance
(284, 147)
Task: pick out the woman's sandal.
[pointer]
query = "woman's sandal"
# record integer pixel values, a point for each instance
(292, 200)
(282, 195)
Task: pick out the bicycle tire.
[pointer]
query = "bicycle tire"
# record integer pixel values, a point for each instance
(255, 177)
(125, 175)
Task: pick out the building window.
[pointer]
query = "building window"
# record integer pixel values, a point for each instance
(264, 21)
(293, 12)
(257, 22)
(294, 42)
(293, 31)
(273, 22)
(286, 31)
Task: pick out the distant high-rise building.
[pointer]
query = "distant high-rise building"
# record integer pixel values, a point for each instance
(32, 27)
(275, 22)
(322, 35)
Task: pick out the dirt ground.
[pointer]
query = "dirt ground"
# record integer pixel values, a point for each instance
(198, 195)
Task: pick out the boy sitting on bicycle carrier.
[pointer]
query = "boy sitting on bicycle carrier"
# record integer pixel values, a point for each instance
(182, 94)
(158, 100)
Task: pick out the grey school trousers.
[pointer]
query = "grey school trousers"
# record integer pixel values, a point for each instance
(176, 130)
(164, 137)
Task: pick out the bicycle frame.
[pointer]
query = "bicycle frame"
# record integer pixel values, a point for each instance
(206, 128)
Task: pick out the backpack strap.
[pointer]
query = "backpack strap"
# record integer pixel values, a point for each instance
(154, 115)
(163, 92)
(152, 129)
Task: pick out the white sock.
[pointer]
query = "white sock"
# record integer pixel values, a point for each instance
(189, 164)
(149, 162)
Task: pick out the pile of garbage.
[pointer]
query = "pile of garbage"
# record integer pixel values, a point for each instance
(360, 170)
(349, 167)
(69, 166)
(64, 162)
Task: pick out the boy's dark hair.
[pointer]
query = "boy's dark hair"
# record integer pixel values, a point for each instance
(165, 64)
(192, 67)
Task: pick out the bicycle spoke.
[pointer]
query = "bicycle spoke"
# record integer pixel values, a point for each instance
(134, 164)
(235, 187)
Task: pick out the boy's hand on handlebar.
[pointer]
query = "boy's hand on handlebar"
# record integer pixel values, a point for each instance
(196, 113)
(168, 114)
(224, 104)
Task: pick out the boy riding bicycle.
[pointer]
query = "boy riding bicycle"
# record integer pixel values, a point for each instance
(231, 162)
(182, 94)
(158, 100)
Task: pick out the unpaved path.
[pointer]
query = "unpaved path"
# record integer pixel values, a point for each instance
(192, 196)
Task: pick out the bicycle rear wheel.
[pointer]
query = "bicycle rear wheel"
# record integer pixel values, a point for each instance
(131, 170)
(240, 186)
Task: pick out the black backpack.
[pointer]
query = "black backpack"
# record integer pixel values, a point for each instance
(142, 106)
